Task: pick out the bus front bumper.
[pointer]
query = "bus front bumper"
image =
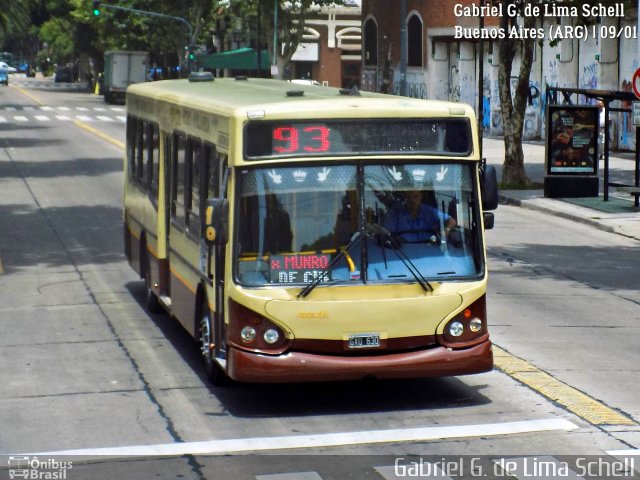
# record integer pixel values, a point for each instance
(305, 367)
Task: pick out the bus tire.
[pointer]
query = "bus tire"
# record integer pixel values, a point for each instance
(214, 372)
(151, 300)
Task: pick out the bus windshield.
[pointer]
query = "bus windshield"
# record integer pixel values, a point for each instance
(293, 221)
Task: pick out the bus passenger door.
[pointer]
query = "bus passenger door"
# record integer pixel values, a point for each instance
(216, 187)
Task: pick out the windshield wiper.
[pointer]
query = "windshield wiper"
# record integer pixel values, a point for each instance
(356, 239)
(376, 229)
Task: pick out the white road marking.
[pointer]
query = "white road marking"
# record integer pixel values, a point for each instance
(82, 109)
(20, 118)
(84, 118)
(104, 118)
(63, 117)
(429, 470)
(46, 108)
(213, 447)
(290, 476)
(3, 120)
(122, 118)
(42, 118)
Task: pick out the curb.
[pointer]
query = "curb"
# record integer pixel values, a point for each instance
(506, 200)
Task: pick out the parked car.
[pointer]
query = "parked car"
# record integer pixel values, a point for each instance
(63, 74)
(4, 76)
(10, 69)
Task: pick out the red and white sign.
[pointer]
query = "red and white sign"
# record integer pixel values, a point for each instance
(635, 83)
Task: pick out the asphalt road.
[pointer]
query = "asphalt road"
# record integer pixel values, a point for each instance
(86, 370)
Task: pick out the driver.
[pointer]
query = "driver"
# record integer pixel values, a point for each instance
(415, 221)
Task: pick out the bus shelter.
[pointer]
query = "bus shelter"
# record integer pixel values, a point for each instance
(565, 102)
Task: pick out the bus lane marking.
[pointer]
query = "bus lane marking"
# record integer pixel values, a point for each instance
(99, 134)
(572, 399)
(259, 444)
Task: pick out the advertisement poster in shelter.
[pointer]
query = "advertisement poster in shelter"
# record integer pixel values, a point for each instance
(572, 140)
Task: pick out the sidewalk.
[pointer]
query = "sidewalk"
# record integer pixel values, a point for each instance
(618, 215)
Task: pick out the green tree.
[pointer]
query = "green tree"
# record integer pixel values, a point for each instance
(281, 21)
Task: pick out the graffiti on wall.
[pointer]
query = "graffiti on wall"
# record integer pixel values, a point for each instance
(533, 113)
(626, 129)
(414, 89)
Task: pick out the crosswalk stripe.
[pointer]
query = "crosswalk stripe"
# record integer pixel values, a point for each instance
(46, 108)
(122, 118)
(3, 120)
(84, 118)
(99, 109)
(369, 437)
(42, 118)
(290, 476)
(64, 118)
(20, 118)
(104, 118)
(82, 109)
(64, 109)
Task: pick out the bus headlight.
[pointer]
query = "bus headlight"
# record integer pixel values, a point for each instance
(271, 336)
(456, 329)
(250, 331)
(467, 328)
(248, 334)
(475, 325)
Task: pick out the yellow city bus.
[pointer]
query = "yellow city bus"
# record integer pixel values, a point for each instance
(307, 233)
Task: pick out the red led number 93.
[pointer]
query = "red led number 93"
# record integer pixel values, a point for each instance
(312, 139)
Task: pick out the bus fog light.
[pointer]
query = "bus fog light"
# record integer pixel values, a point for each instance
(248, 334)
(456, 329)
(271, 336)
(475, 325)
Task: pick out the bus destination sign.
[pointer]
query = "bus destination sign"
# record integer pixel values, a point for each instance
(299, 268)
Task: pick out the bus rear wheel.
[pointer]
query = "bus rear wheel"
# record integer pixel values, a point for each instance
(214, 372)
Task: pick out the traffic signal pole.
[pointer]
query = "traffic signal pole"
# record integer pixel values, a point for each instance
(98, 4)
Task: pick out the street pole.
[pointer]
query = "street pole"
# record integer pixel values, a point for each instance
(403, 47)
(481, 81)
(274, 65)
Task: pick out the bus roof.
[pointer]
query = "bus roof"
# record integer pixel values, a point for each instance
(248, 97)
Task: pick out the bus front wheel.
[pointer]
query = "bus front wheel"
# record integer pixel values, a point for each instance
(214, 372)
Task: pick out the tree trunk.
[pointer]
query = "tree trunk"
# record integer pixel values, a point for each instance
(514, 104)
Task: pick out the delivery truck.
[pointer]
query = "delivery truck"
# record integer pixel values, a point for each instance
(121, 69)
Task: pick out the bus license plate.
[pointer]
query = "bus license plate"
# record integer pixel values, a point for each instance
(364, 340)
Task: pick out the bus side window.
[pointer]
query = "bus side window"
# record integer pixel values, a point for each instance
(194, 175)
(212, 179)
(177, 173)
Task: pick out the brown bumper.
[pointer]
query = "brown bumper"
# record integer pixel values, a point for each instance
(306, 367)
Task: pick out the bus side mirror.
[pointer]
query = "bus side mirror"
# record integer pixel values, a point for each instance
(489, 184)
(216, 221)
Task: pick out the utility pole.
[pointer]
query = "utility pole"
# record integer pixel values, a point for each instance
(403, 47)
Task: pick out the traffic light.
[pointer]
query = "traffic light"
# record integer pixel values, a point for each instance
(96, 7)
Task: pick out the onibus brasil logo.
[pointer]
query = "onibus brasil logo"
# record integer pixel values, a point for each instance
(38, 469)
